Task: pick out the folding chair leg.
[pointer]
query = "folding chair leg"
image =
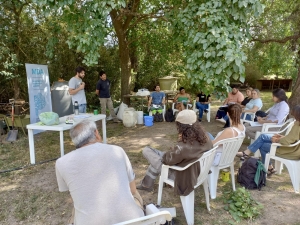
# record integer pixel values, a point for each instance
(232, 176)
(206, 192)
(213, 181)
(160, 189)
(188, 207)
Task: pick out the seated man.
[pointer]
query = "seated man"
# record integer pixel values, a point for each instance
(99, 178)
(156, 101)
(202, 103)
(234, 97)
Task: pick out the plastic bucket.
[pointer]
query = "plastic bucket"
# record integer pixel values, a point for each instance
(129, 117)
(148, 120)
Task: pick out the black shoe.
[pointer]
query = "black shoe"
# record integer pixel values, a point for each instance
(205, 110)
(200, 120)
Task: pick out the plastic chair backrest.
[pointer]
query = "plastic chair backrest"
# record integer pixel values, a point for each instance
(206, 161)
(230, 147)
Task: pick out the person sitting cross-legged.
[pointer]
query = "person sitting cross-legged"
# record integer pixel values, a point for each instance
(99, 178)
(264, 141)
(193, 141)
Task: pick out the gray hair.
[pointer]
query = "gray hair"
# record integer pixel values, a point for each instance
(83, 133)
(257, 91)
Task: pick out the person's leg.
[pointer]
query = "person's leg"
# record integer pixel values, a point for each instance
(201, 109)
(262, 142)
(154, 157)
(103, 105)
(251, 131)
(111, 109)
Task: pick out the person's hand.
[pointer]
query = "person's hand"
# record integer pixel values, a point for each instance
(82, 85)
(275, 139)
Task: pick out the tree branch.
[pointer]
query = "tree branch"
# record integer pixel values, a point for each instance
(282, 41)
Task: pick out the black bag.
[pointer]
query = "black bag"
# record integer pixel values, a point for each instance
(169, 116)
(246, 174)
(158, 117)
(261, 113)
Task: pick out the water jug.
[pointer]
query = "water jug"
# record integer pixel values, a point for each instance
(129, 117)
(140, 117)
(76, 108)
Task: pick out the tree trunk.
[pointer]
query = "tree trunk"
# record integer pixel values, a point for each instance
(295, 97)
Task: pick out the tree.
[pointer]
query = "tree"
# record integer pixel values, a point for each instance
(212, 32)
(280, 25)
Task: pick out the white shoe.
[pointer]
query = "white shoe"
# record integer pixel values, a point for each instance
(221, 120)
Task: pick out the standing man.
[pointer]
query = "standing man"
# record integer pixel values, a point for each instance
(76, 89)
(103, 92)
(99, 178)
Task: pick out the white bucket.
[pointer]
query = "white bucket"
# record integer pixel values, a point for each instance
(140, 117)
(129, 117)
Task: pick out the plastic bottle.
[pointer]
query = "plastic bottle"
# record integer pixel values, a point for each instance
(76, 108)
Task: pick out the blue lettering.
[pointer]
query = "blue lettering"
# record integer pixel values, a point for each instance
(37, 71)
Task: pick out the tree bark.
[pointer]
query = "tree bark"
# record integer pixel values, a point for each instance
(295, 97)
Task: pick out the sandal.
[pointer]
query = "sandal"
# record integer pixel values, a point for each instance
(271, 172)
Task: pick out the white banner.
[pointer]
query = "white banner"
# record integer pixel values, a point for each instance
(39, 90)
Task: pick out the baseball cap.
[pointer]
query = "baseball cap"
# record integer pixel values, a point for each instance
(186, 116)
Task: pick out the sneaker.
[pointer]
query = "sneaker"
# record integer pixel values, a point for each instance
(200, 120)
(221, 120)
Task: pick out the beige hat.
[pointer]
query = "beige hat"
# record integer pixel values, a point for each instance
(186, 117)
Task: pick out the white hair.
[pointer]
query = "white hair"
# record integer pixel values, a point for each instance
(83, 133)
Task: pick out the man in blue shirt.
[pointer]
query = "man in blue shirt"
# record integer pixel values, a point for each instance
(103, 91)
(156, 100)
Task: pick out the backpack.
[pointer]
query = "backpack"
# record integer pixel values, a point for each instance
(169, 116)
(158, 117)
(252, 174)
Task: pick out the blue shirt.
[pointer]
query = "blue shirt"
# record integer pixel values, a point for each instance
(157, 97)
(254, 102)
(104, 87)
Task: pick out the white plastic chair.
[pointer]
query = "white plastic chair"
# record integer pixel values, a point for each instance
(287, 128)
(197, 110)
(293, 166)
(252, 114)
(153, 219)
(176, 110)
(229, 150)
(164, 112)
(188, 201)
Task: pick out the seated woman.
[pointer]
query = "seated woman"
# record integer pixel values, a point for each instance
(264, 141)
(252, 106)
(237, 129)
(248, 97)
(181, 97)
(276, 114)
(192, 143)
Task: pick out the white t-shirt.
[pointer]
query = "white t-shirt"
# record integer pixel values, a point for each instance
(98, 177)
(74, 83)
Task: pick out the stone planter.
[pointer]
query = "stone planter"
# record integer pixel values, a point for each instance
(168, 83)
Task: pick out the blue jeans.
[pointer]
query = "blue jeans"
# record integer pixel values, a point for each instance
(82, 108)
(263, 143)
(201, 108)
(210, 136)
(248, 117)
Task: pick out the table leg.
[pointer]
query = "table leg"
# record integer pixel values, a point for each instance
(104, 130)
(62, 151)
(31, 146)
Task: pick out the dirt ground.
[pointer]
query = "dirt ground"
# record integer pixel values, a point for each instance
(30, 196)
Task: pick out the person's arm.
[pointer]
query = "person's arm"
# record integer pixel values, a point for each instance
(136, 195)
(263, 120)
(189, 97)
(173, 156)
(227, 133)
(197, 99)
(226, 101)
(73, 91)
(282, 112)
(254, 109)
(175, 99)
(163, 101)
(208, 100)
(97, 92)
(292, 136)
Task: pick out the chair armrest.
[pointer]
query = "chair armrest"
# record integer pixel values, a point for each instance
(267, 126)
(275, 145)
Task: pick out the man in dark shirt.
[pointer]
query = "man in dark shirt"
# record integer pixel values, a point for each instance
(103, 92)
(202, 103)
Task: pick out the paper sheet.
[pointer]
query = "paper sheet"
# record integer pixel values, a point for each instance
(255, 124)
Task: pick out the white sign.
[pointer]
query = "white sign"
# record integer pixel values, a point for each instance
(39, 90)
